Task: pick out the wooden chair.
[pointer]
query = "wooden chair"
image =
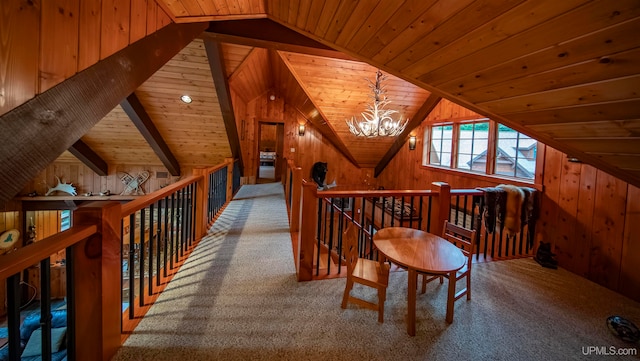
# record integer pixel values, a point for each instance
(370, 273)
(464, 239)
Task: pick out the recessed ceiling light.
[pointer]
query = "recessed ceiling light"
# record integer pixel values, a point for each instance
(186, 99)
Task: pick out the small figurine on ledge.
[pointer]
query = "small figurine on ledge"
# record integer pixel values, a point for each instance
(63, 187)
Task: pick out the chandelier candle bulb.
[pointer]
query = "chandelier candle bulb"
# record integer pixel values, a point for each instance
(376, 120)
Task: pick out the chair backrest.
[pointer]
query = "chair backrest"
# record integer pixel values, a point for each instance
(350, 246)
(461, 237)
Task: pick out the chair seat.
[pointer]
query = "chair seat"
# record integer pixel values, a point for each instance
(371, 272)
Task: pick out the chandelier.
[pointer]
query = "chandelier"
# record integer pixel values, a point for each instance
(376, 120)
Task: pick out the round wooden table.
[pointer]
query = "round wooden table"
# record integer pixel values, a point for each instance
(419, 251)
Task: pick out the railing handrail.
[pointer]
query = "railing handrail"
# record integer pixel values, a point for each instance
(375, 193)
(26, 257)
(142, 202)
(466, 192)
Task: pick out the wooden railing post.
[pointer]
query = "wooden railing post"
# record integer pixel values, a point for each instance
(202, 201)
(442, 207)
(96, 282)
(286, 183)
(229, 162)
(307, 234)
(296, 183)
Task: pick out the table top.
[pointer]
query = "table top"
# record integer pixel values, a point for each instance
(419, 250)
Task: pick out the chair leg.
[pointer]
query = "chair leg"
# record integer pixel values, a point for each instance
(468, 286)
(347, 290)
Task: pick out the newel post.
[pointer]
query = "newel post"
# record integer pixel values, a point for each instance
(230, 162)
(442, 207)
(296, 193)
(307, 234)
(96, 281)
(202, 202)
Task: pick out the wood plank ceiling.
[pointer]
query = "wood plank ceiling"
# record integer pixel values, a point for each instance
(565, 72)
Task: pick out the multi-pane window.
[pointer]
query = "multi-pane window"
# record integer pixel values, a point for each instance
(473, 139)
(441, 142)
(515, 154)
(465, 146)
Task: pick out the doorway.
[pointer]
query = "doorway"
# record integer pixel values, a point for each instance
(270, 149)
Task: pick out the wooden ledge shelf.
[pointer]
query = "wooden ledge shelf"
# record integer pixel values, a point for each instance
(66, 202)
(77, 198)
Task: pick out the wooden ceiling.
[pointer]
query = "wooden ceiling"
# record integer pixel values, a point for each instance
(565, 72)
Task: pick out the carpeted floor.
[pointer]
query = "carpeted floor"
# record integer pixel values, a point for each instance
(237, 298)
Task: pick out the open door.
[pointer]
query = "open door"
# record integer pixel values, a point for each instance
(270, 148)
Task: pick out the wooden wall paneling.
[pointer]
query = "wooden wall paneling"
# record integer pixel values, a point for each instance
(152, 16)
(569, 193)
(629, 284)
(193, 7)
(326, 17)
(58, 42)
(549, 200)
(115, 26)
(584, 220)
(163, 19)
(138, 20)
(608, 230)
(89, 33)
(19, 52)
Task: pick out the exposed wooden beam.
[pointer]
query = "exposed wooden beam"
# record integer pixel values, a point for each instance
(35, 133)
(90, 158)
(422, 113)
(216, 63)
(141, 119)
(265, 33)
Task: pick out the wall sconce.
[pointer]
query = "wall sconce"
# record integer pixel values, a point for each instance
(301, 130)
(412, 142)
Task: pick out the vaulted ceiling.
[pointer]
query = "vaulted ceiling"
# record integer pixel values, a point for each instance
(564, 72)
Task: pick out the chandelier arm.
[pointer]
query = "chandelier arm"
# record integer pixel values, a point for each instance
(376, 120)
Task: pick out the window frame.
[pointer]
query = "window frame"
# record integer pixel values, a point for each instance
(492, 146)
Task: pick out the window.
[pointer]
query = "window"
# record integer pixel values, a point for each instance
(515, 154)
(65, 220)
(467, 145)
(473, 139)
(441, 141)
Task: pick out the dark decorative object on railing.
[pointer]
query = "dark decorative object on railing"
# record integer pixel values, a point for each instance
(318, 173)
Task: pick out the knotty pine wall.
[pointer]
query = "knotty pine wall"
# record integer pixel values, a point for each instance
(589, 216)
(307, 149)
(46, 42)
(313, 147)
(86, 180)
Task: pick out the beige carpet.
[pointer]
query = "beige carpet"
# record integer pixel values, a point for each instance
(237, 298)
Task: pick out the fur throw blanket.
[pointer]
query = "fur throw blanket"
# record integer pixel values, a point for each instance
(510, 207)
(513, 214)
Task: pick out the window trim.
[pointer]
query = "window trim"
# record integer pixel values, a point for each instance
(492, 145)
